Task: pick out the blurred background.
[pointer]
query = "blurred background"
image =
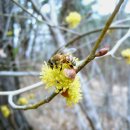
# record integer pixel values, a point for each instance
(31, 31)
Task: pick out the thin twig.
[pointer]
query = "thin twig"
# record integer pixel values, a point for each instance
(44, 101)
(7, 25)
(30, 106)
(117, 45)
(21, 90)
(14, 15)
(121, 21)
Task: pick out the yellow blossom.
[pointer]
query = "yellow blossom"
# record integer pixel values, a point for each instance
(73, 19)
(126, 54)
(22, 101)
(9, 33)
(57, 78)
(5, 111)
(73, 94)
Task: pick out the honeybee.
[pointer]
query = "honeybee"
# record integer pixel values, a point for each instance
(62, 57)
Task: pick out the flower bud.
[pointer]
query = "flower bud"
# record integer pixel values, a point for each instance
(65, 94)
(102, 52)
(70, 73)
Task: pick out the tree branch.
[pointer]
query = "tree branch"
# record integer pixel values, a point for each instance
(31, 106)
(44, 101)
(21, 90)
(18, 73)
(102, 35)
(95, 31)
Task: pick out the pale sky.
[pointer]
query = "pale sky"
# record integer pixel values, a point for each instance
(104, 7)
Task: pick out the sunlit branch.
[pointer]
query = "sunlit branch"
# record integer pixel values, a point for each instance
(30, 106)
(11, 94)
(19, 73)
(21, 90)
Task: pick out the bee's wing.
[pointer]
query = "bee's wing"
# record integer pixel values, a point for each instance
(67, 50)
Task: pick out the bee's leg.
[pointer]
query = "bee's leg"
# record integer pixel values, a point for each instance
(56, 65)
(71, 66)
(57, 81)
(52, 65)
(61, 67)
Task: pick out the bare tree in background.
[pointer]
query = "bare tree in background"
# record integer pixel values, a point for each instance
(9, 83)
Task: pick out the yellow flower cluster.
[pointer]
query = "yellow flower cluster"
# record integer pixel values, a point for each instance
(5, 111)
(22, 101)
(73, 19)
(56, 78)
(126, 54)
(74, 93)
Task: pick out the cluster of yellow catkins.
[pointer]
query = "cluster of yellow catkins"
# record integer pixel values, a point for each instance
(69, 87)
(22, 101)
(73, 19)
(5, 111)
(64, 83)
(126, 54)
